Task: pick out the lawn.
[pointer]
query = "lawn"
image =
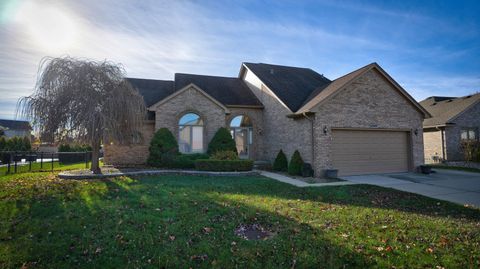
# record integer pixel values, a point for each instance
(189, 221)
(46, 166)
(459, 168)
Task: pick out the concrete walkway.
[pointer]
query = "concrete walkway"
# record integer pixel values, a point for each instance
(449, 185)
(301, 184)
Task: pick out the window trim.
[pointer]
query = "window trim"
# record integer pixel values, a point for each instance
(468, 130)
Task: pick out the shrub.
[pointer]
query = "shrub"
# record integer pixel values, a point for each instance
(281, 162)
(224, 155)
(222, 141)
(3, 143)
(296, 164)
(163, 149)
(471, 150)
(74, 148)
(187, 161)
(223, 165)
(14, 144)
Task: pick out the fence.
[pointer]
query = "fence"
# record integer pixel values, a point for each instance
(28, 161)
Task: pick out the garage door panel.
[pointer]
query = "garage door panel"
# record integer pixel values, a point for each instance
(364, 152)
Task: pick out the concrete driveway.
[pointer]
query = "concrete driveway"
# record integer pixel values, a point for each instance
(449, 185)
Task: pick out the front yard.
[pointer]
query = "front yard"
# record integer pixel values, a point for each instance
(181, 222)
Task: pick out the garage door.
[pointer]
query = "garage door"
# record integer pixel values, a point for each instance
(369, 152)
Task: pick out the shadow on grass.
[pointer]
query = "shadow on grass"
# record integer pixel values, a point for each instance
(183, 221)
(125, 222)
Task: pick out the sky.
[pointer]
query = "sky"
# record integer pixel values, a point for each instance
(428, 47)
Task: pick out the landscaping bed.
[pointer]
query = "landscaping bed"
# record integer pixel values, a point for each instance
(216, 222)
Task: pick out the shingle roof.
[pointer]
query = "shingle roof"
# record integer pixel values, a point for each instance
(293, 85)
(15, 124)
(332, 87)
(445, 109)
(152, 90)
(226, 90)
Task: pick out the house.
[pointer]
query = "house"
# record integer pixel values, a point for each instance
(13, 128)
(454, 119)
(363, 122)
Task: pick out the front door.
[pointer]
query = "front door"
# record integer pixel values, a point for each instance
(243, 141)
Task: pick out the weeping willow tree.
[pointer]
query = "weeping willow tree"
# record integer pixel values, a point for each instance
(89, 101)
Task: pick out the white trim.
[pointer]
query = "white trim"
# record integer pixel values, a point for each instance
(189, 86)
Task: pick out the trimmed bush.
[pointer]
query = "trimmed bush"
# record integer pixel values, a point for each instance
(72, 153)
(163, 149)
(14, 144)
(222, 141)
(224, 155)
(3, 143)
(187, 161)
(281, 162)
(296, 164)
(74, 148)
(223, 165)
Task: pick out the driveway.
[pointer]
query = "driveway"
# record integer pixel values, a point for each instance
(449, 185)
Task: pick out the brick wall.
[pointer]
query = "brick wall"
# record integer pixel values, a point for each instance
(469, 118)
(279, 131)
(134, 154)
(369, 102)
(432, 141)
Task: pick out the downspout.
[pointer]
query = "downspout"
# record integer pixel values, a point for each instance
(312, 138)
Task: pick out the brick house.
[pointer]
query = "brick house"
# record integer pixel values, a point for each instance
(453, 119)
(363, 122)
(12, 128)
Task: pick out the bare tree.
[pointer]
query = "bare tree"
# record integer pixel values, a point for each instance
(87, 100)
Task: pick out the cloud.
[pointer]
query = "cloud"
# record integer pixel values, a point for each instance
(154, 39)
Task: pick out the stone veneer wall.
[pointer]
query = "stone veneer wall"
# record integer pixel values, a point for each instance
(369, 102)
(469, 118)
(135, 154)
(280, 132)
(432, 140)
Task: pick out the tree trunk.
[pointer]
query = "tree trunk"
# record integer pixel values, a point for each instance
(95, 168)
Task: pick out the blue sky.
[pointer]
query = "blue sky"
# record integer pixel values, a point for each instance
(429, 47)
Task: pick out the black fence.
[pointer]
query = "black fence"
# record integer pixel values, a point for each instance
(29, 161)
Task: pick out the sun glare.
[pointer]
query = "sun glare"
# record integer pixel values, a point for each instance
(49, 27)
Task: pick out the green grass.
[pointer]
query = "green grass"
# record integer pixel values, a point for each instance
(47, 166)
(459, 168)
(182, 222)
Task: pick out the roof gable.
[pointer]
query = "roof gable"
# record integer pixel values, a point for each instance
(445, 110)
(292, 85)
(182, 90)
(340, 83)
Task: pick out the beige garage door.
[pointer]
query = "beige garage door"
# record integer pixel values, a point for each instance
(368, 152)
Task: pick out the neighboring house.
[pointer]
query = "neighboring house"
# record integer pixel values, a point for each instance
(453, 119)
(361, 123)
(13, 128)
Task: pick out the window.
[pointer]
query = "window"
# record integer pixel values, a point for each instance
(468, 134)
(242, 132)
(190, 137)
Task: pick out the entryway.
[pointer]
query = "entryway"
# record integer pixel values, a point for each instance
(242, 132)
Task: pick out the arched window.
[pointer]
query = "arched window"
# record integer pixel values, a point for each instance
(242, 132)
(190, 137)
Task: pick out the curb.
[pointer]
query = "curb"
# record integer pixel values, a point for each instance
(158, 172)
